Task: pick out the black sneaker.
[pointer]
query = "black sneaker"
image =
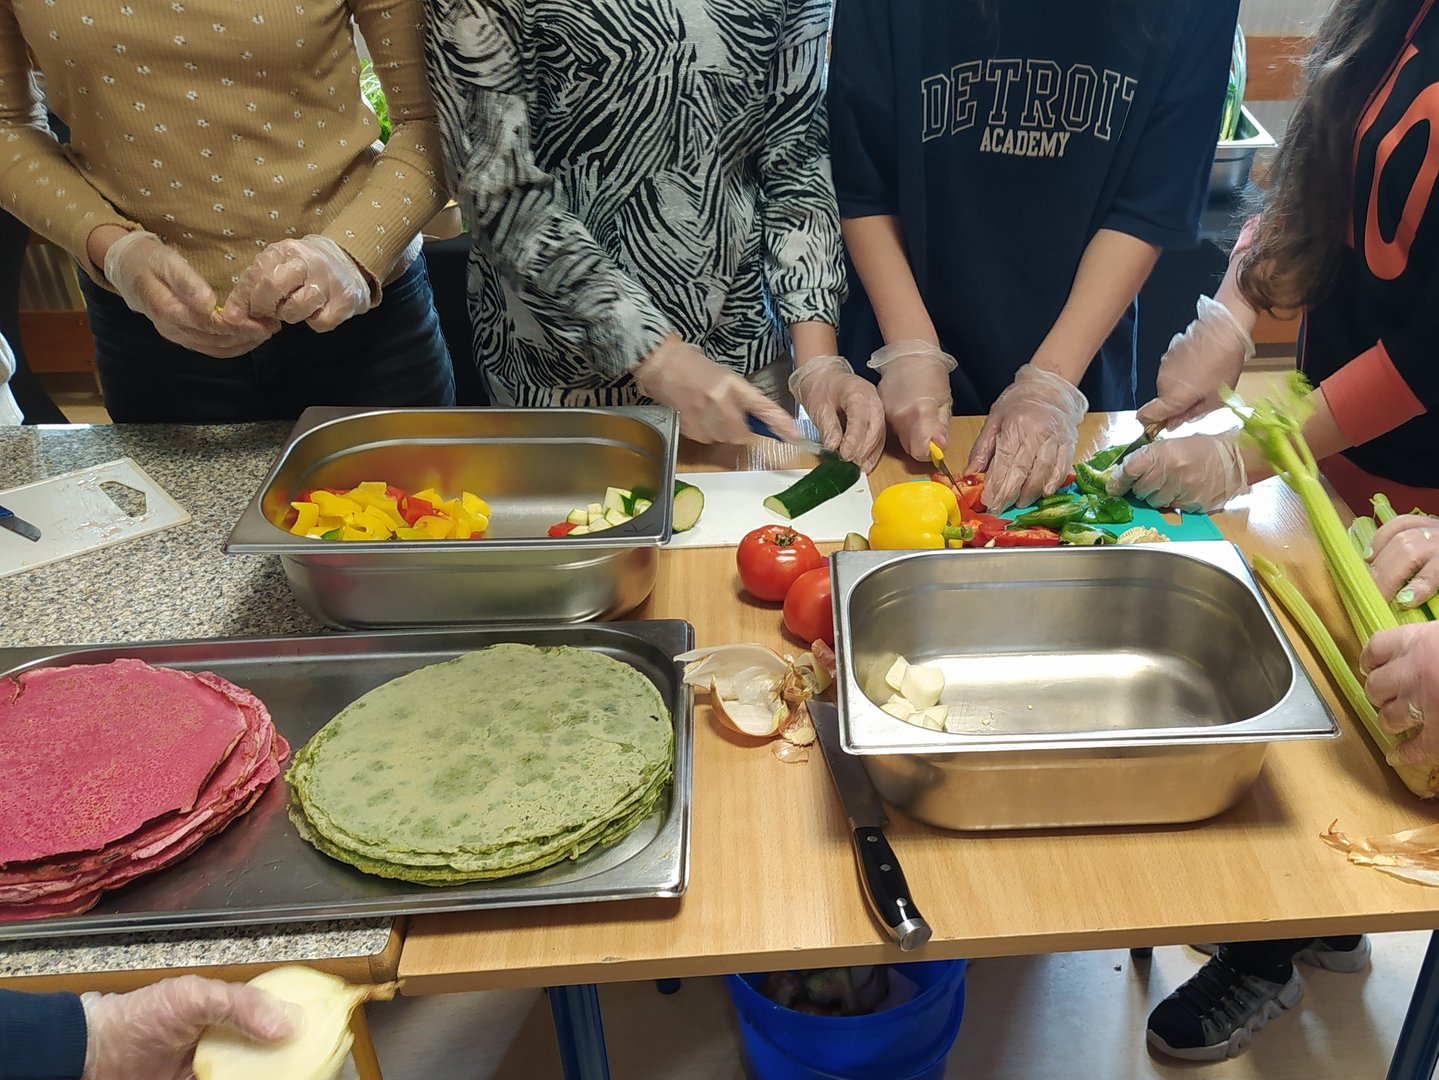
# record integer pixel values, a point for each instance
(1214, 1015)
(1323, 953)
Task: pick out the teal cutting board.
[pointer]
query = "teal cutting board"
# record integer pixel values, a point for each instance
(1174, 525)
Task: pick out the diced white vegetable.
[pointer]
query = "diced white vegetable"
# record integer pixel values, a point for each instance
(641, 505)
(894, 679)
(595, 510)
(597, 524)
(616, 517)
(922, 685)
(578, 517)
(615, 499)
(935, 717)
(898, 707)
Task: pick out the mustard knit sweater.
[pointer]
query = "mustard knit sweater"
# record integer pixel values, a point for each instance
(219, 125)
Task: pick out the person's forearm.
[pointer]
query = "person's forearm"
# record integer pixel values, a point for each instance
(1321, 432)
(812, 339)
(876, 248)
(1112, 270)
(1231, 297)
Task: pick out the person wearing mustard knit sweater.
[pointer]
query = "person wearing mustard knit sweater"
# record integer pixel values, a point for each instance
(248, 248)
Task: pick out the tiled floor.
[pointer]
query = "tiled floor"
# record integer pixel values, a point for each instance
(1077, 1016)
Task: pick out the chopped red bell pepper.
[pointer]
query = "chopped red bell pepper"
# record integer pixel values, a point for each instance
(564, 528)
(968, 489)
(986, 528)
(1031, 536)
(412, 509)
(393, 492)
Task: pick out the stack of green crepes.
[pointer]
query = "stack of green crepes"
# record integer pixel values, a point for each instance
(492, 764)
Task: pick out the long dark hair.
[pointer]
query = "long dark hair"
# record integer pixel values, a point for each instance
(1294, 258)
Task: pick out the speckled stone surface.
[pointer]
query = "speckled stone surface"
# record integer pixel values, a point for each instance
(173, 584)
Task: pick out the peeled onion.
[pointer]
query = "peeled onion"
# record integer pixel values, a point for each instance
(315, 1050)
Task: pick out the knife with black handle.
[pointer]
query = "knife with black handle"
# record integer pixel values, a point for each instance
(885, 887)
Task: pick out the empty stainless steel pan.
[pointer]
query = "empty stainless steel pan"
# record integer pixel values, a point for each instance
(531, 465)
(1085, 686)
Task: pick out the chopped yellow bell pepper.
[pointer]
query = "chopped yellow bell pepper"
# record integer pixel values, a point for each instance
(475, 506)
(309, 517)
(331, 505)
(915, 515)
(381, 503)
(436, 527)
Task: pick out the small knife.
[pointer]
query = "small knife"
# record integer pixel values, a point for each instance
(885, 887)
(18, 526)
(809, 446)
(1145, 438)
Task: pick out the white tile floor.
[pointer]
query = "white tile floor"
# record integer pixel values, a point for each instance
(1068, 1017)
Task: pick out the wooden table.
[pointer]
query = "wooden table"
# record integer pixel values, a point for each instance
(773, 881)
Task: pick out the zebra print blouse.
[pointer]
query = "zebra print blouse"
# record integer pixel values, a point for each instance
(629, 167)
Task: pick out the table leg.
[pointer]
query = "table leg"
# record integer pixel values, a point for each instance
(1418, 1048)
(579, 1031)
(362, 1052)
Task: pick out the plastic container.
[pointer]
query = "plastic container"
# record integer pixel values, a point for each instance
(908, 1042)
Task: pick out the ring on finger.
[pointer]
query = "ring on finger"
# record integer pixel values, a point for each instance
(1416, 713)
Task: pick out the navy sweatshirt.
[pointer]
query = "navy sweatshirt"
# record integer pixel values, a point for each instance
(1004, 142)
(42, 1036)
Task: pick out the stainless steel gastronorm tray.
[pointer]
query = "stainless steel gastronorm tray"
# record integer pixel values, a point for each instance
(260, 871)
(1116, 685)
(533, 466)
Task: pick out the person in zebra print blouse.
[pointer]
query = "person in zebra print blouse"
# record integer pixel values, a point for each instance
(647, 187)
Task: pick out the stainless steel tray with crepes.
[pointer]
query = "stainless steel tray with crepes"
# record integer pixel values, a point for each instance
(260, 871)
(533, 466)
(1086, 686)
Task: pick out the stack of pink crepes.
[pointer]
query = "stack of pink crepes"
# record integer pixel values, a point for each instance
(110, 771)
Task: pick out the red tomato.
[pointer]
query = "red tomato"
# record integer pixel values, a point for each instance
(1032, 536)
(986, 528)
(772, 557)
(808, 614)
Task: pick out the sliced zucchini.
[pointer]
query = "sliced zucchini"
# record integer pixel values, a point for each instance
(579, 530)
(615, 499)
(641, 505)
(855, 542)
(831, 477)
(689, 504)
(578, 517)
(615, 517)
(595, 510)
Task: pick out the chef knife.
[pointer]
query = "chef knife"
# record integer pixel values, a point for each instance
(1145, 438)
(809, 446)
(18, 526)
(885, 887)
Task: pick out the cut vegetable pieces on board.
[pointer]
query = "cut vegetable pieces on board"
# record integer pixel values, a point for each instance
(831, 477)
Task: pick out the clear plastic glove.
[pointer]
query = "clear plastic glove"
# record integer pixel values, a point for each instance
(155, 280)
(150, 1034)
(914, 389)
(311, 280)
(1209, 354)
(1026, 447)
(828, 388)
(1403, 684)
(1404, 560)
(713, 402)
(1194, 473)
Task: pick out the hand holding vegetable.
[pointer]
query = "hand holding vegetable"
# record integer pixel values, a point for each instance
(311, 280)
(1405, 559)
(1209, 354)
(150, 1034)
(156, 280)
(1403, 684)
(914, 387)
(1027, 443)
(713, 402)
(828, 388)
(1195, 473)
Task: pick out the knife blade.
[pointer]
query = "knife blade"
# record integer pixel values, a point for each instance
(809, 446)
(884, 884)
(1145, 438)
(18, 526)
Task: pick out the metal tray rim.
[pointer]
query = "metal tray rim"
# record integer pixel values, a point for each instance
(668, 635)
(865, 729)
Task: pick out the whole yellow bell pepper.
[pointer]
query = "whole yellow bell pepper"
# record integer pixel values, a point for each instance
(917, 515)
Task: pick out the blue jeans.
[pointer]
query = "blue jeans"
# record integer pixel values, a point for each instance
(393, 355)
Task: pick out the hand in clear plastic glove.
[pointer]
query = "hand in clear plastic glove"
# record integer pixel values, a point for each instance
(311, 280)
(1194, 473)
(713, 402)
(1403, 684)
(828, 388)
(150, 1034)
(1208, 355)
(1405, 559)
(1026, 447)
(914, 389)
(155, 280)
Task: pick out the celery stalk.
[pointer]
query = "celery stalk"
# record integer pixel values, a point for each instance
(1423, 782)
(1384, 513)
(1361, 533)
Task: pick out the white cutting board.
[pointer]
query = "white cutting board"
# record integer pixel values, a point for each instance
(76, 513)
(734, 506)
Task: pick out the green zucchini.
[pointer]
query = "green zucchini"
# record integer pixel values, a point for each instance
(831, 477)
(856, 542)
(689, 504)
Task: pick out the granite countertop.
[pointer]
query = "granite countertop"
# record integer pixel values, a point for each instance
(173, 584)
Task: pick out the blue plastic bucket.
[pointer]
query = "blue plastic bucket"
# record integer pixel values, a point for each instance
(908, 1042)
